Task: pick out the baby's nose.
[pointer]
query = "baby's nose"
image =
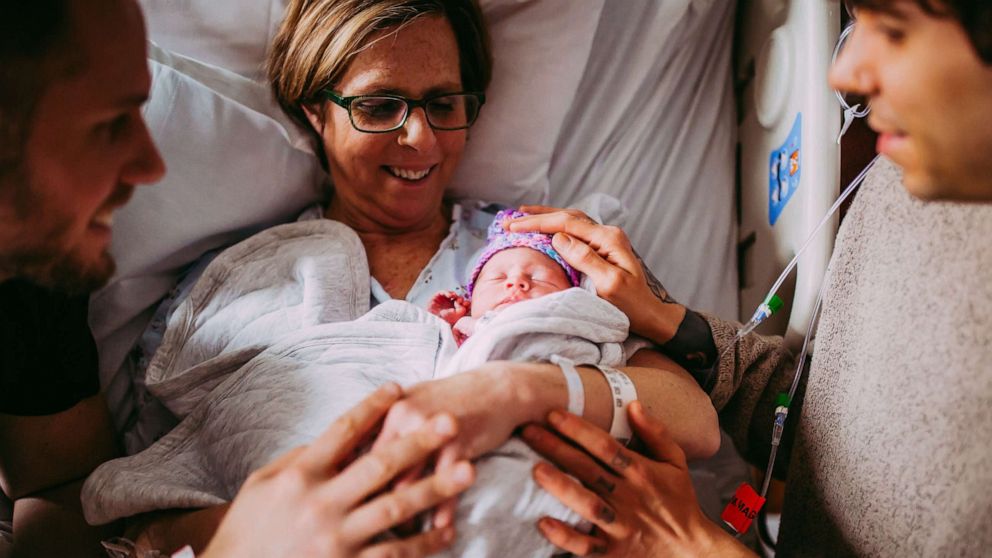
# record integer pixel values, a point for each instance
(521, 283)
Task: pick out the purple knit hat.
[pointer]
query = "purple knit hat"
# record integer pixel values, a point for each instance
(500, 239)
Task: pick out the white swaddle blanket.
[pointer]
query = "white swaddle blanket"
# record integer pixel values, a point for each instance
(275, 341)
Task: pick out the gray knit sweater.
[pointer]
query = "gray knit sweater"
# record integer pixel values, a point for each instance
(893, 452)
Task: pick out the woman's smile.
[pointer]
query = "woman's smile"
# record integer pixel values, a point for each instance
(396, 180)
(410, 174)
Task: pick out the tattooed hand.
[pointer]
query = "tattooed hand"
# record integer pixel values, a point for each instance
(640, 506)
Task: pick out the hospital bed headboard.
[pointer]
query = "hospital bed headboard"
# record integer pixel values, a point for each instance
(789, 156)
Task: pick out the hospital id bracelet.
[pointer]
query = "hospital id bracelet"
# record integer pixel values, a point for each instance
(623, 393)
(576, 393)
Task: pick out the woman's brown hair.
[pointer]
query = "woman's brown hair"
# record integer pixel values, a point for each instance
(319, 38)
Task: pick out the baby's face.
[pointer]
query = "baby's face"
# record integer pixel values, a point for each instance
(513, 275)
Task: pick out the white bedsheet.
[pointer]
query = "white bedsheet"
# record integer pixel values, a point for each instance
(653, 125)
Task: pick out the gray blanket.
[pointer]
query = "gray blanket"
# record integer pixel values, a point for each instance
(275, 341)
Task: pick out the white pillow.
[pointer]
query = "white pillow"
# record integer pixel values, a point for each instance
(654, 126)
(236, 164)
(232, 34)
(540, 49)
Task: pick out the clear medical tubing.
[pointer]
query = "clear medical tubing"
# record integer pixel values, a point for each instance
(762, 316)
(855, 111)
(783, 410)
(768, 307)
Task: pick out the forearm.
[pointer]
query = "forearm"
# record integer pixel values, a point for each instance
(171, 530)
(41, 453)
(669, 393)
(664, 389)
(51, 523)
(43, 463)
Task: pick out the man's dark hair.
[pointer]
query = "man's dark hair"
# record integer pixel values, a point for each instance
(975, 16)
(33, 35)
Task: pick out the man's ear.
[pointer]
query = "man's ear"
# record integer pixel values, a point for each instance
(315, 115)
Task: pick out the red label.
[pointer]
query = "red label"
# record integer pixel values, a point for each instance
(742, 509)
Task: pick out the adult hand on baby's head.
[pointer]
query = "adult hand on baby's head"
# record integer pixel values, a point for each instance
(605, 255)
(449, 306)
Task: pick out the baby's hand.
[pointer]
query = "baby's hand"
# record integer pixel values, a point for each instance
(449, 306)
(463, 329)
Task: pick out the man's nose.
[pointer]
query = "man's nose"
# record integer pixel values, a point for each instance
(851, 72)
(146, 165)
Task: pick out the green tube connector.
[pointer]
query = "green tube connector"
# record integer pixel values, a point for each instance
(774, 304)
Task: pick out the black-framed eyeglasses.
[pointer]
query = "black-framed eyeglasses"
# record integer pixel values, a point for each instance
(376, 114)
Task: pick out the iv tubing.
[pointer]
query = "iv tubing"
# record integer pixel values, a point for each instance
(755, 320)
(795, 259)
(795, 385)
(779, 425)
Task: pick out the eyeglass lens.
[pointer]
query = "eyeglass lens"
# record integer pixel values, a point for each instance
(450, 112)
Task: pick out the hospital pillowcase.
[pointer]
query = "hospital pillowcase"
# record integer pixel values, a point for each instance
(540, 49)
(235, 165)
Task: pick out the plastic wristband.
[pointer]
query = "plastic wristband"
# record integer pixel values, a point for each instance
(576, 393)
(623, 392)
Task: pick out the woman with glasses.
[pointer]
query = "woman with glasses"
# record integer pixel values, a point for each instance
(389, 89)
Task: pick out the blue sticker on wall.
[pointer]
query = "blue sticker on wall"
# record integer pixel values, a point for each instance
(784, 168)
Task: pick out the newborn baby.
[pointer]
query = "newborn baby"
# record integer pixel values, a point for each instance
(512, 267)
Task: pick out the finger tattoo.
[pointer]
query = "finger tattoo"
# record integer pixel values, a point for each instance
(605, 485)
(606, 514)
(620, 461)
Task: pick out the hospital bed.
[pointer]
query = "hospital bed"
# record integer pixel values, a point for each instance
(721, 145)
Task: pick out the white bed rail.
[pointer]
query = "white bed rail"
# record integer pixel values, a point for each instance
(789, 157)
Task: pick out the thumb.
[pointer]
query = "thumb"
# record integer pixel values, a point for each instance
(655, 436)
(581, 256)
